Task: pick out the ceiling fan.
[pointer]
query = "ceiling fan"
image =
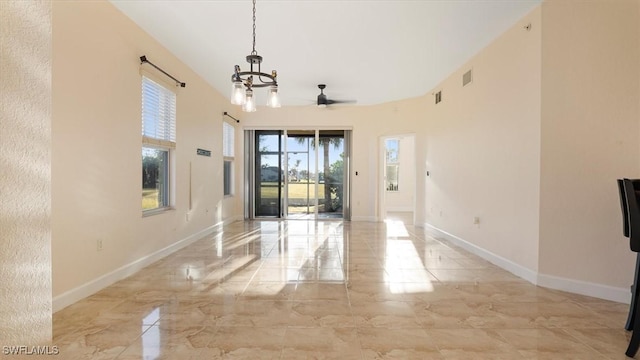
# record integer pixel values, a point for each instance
(323, 101)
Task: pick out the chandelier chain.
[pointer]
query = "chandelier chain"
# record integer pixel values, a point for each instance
(245, 81)
(254, 52)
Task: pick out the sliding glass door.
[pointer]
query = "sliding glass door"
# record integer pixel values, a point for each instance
(297, 174)
(301, 184)
(330, 173)
(269, 184)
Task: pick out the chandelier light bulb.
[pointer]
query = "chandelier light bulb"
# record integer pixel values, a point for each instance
(273, 101)
(237, 93)
(250, 104)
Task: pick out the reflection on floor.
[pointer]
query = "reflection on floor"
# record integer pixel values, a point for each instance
(333, 290)
(321, 216)
(405, 217)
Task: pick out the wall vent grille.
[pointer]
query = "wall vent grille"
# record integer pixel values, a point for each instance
(467, 78)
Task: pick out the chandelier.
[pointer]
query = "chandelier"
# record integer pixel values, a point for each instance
(243, 82)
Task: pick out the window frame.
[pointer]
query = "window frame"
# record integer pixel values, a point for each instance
(228, 159)
(227, 180)
(392, 161)
(165, 142)
(166, 189)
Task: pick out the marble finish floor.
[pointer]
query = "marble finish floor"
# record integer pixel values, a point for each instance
(331, 290)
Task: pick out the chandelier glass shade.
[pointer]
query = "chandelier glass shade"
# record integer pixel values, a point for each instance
(243, 82)
(249, 104)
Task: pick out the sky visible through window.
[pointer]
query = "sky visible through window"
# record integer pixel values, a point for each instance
(392, 150)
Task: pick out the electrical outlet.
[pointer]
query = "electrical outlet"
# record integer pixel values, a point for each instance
(99, 245)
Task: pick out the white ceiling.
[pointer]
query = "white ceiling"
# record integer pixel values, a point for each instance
(369, 51)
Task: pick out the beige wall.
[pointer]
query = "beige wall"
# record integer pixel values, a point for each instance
(483, 148)
(590, 92)
(534, 146)
(96, 151)
(25, 173)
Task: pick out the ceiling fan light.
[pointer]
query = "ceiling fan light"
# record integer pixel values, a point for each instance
(237, 93)
(273, 101)
(250, 104)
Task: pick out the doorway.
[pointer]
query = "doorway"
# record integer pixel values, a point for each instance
(398, 178)
(297, 174)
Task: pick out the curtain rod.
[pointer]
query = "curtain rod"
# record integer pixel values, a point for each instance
(227, 114)
(143, 59)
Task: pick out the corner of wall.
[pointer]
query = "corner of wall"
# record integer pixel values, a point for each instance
(590, 131)
(622, 295)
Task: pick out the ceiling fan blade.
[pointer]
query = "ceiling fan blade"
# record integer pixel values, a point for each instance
(322, 100)
(330, 102)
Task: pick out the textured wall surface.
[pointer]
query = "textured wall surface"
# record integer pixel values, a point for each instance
(25, 142)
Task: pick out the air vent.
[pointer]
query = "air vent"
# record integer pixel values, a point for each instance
(466, 78)
(438, 97)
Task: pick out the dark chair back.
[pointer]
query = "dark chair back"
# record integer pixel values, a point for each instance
(633, 216)
(624, 208)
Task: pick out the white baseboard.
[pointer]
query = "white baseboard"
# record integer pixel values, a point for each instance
(512, 267)
(622, 295)
(232, 219)
(67, 298)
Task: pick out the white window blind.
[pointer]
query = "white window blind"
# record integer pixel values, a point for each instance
(227, 139)
(158, 113)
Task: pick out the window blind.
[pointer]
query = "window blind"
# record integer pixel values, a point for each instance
(158, 113)
(227, 139)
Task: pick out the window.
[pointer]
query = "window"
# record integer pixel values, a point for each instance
(227, 177)
(228, 133)
(155, 176)
(392, 147)
(158, 141)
